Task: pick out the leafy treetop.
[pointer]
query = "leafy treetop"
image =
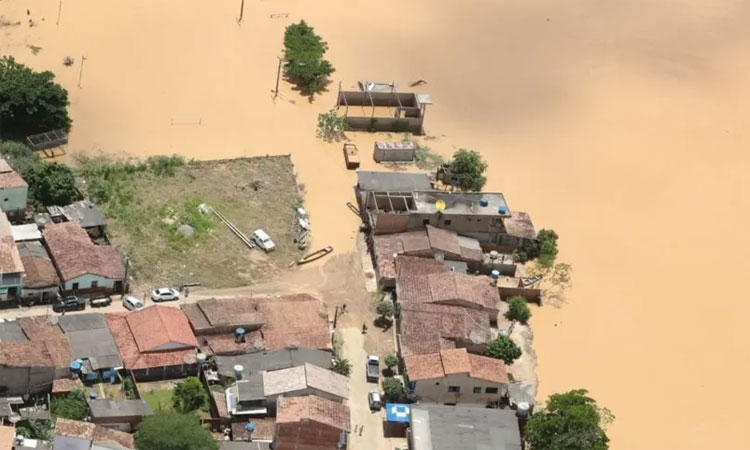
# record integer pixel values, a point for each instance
(189, 395)
(303, 52)
(171, 430)
(503, 348)
(468, 168)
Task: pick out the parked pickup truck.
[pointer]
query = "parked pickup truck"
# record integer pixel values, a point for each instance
(372, 367)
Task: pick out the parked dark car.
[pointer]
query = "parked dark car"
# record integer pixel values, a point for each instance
(100, 302)
(69, 304)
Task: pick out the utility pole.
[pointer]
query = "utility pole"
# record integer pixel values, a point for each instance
(59, 10)
(278, 76)
(80, 74)
(242, 10)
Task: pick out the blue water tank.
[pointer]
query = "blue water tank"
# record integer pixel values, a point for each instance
(502, 209)
(495, 274)
(239, 334)
(250, 426)
(484, 202)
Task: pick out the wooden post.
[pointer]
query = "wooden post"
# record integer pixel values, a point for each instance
(242, 10)
(80, 74)
(59, 11)
(278, 76)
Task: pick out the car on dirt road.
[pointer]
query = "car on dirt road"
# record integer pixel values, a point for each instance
(71, 303)
(372, 368)
(263, 240)
(100, 302)
(373, 399)
(165, 294)
(131, 303)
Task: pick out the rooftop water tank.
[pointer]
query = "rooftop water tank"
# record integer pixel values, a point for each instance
(201, 357)
(484, 203)
(502, 209)
(523, 410)
(494, 254)
(92, 395)
(495, 274)
(239, 335)
(238, 371)
(250, 427)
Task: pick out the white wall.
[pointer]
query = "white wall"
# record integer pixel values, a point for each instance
(84, 282)
(16, 198)
(436, 390)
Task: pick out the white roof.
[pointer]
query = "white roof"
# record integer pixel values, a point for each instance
(26, 232)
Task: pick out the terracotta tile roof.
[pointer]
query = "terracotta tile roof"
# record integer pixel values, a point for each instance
(424, 367)
(448, 288)
(413, 265)
(320, 340)
(64, 385)
(160, 328)
(519, 225)
(264, 429)
(96, 433)
(9, 178)
(220, 400)
(489, 369)
(75, 254)
(38, 270)
(421, 344)
(386, 246)
(313, 408)
(24, 354)
(443, 240)
(327, 381)
(39, 329)
(451, 322)
(10, 260)
(455, 361)
(226, 345)
(133, 358)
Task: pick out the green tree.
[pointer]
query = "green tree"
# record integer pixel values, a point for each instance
(570, 421)
(391, 361)
(50, 184)
(170, 430)
(331, 126)
(19, 156)
(30, 102)
(385, 309)
(468, 168)
(189, 395)
(543, 248)
(393, 388)
(341, 366)
(503, 348)
(518, 309)
(303, 52)
(72, 406)
(35, 429)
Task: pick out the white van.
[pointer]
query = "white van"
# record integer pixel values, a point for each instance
(263, 240)
(132, 303)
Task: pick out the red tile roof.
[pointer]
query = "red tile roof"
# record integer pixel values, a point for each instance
(450, 322)
(489, 369)
(10, 260)
(25, 354)
(413, 265)
(220, 400)
(264, 428)
(225, 344)
(449, 288)
(313, 408)
(152, 338)
(75, 254)
(455, 361)
(424, 367)
(444, 240)
(9, 178)
(421, 344)
(65, 385)
(96, 433)
(39, 329)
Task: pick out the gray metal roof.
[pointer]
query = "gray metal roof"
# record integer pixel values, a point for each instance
(441, 427)
(251, 388)
(11, 331)
(71, 443)
(106, 407)
(82, 322)
(32, 248)
(240, 445)
(85, 213)
(272, 360)
(393, 181)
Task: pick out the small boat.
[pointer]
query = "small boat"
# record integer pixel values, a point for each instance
(314, 256)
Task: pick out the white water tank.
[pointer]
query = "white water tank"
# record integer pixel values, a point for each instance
(201, 357)
(523, 410)
(238, 371)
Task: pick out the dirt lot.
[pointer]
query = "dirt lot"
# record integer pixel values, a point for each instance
(251, 192)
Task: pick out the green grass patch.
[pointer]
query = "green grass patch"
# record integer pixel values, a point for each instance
(159, 400)
(186, 213)
(425, 158)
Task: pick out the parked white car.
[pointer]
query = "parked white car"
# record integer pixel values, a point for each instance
(131, 303)
(263, 241)
(164, 294)
(373, 399)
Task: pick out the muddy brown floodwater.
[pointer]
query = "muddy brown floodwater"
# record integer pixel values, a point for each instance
(622, 125)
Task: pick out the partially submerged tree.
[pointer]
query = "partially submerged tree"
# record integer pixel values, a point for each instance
(543, 249)
(518, 309)
(467, 167)
(50, 184)
(331, 126)
(170, 430)
(341, 366)
(303, 52)
(503, 348)
(189, 395)
(393, 388)
(570, 421)
(30, 102)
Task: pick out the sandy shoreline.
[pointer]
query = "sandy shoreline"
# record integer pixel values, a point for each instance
(620, 125)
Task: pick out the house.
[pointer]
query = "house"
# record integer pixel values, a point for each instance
(270, 360)
(310, 423)
(368, 181)
(25, 368)
(233, 326)
(429, 328)
(479, 215)
(45, 330)
(455, 376)
(429, 243)
(122, 415)
(39, 282)
(409, 110)
(451, 288)
(155, 343)
(441, 427)
(84, 268)
(92, 343)
(74, 434)
(11, 267)
(84, 213)
(13, 191)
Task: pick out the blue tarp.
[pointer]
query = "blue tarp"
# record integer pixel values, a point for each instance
(397, 412)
